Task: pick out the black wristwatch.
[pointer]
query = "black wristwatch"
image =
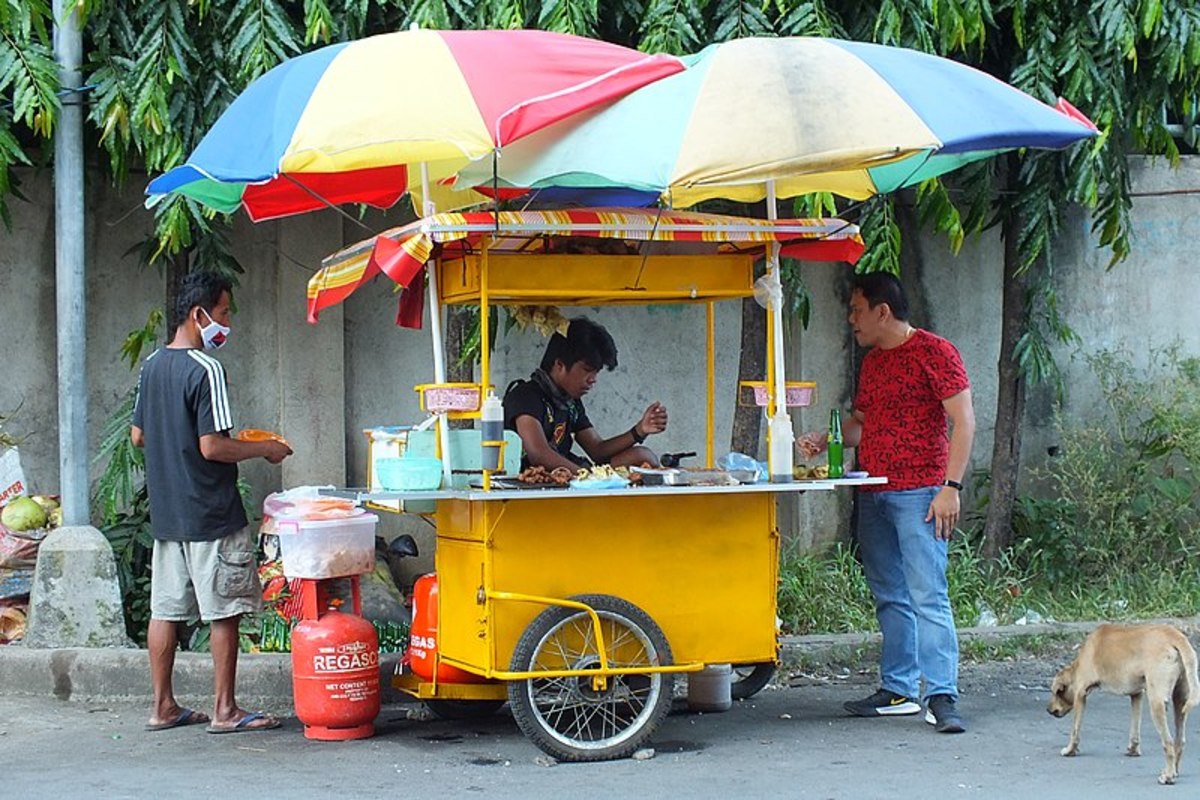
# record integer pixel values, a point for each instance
(636, 438)
(952, 484)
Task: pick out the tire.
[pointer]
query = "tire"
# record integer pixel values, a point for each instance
(750, 679)
(463, 709)
(565, 717)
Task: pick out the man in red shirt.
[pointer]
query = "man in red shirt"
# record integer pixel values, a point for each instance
(910, 384)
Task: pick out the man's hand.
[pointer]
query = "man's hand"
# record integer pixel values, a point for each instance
(944, 511)
(654, 419)
(275, 452)
(812, 444)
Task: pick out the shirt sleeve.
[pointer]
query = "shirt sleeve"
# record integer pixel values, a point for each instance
(523, 399)
(947, 375)
(137, 401)
(211, 397)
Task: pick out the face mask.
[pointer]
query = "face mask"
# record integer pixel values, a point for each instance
(214, 333)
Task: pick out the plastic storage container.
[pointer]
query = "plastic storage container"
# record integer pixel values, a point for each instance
(409, 473)
(327, 548)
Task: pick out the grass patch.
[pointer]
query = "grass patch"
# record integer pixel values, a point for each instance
(1009, 648)
(827, 593)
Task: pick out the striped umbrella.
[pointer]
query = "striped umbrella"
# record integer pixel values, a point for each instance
(346, 123)
(808, 114)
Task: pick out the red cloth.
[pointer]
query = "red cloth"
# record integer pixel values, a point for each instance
(412, 304)
(900, 394)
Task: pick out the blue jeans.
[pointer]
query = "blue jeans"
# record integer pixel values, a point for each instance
(905, 566)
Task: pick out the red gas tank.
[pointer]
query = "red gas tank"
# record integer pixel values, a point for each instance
(423, 635)
(335, 676)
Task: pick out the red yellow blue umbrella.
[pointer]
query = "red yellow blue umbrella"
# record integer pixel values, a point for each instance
(800, 114)
(344, 123)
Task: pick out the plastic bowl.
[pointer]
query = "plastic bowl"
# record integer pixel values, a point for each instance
(409, 473)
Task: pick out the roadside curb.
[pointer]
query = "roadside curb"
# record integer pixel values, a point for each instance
(265, 679)
(798, 652)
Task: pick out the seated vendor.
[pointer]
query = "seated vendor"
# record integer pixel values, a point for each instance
(547, 412)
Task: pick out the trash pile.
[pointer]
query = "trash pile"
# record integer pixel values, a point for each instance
(24, 522)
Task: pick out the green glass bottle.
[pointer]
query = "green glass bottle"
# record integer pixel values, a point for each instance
(834, 445)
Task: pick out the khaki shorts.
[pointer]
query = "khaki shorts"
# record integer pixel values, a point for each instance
(205, 580)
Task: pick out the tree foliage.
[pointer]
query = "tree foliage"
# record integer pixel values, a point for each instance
(158, 75)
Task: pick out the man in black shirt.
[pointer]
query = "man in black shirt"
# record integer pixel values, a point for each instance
(547, 411)
(204, 562)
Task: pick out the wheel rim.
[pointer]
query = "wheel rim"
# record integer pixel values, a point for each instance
(570, 709)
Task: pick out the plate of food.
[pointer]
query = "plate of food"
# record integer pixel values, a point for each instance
(818, 473)
(601, 476)
(535, 477)
(256, 435)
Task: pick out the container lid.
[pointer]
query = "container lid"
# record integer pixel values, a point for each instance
(360, 519)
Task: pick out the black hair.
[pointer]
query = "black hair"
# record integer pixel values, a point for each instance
(585, 341)
(883, 287)
(202, 289)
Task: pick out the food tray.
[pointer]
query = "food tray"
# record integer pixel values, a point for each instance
(508, 484)
(603, 483)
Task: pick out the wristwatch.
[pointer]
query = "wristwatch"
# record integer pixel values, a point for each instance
(953, 484)
(637, 438)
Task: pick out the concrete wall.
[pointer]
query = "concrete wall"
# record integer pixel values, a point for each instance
(321, 385)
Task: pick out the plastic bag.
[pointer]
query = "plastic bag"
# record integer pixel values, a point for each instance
(741, 462)
(18, 550)
(306, 502)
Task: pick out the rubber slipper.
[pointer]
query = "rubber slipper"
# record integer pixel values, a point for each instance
(186, 716)
(245, 724)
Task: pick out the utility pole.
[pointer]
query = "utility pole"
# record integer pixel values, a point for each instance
(69, 269)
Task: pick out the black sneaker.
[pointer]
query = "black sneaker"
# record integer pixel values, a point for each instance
(883, 704)
(941, 713)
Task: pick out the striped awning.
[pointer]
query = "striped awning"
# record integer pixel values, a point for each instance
(401, 253)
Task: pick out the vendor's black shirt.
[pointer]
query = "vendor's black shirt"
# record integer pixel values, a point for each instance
(182, 396)
(559, 421)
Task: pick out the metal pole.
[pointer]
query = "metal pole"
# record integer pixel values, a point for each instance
(69, 270)
(780, 436)
(439, 334)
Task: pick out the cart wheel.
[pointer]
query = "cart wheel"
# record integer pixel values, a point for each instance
(463, 709)
(567, 717)
(750, 679)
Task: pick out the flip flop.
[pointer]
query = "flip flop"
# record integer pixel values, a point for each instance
(186, 716)
(244, 725)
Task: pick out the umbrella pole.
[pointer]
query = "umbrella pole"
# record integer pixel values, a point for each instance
(780, 437)
(439, 338)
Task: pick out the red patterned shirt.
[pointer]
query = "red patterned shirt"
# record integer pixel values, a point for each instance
(900, 394)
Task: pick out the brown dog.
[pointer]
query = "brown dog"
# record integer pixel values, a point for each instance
(1155, 660)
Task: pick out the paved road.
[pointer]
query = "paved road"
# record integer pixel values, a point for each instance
(786, 742)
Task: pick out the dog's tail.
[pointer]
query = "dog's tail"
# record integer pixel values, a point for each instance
(1187, 655)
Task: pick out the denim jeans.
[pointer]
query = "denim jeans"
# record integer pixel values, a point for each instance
(905, 566)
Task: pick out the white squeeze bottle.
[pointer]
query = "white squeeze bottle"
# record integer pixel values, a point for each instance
(491, 420)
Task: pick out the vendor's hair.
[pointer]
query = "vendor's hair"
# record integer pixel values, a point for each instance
(883, 287)
(585, 341)
(198, 289)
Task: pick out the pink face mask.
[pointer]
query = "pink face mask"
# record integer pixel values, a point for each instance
(214, 333)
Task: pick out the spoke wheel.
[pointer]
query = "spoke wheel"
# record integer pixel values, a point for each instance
(750, 679)
(570, 718)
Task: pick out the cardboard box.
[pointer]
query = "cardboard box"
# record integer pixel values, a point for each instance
(12, 479)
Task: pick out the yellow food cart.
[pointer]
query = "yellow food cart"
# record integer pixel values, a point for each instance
(579, 606)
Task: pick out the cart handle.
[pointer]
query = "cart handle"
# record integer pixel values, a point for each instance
(599, 675)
